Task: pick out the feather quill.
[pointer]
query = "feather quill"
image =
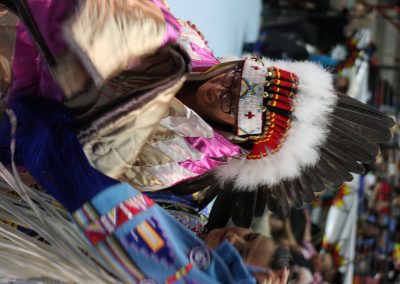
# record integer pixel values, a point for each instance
(64, 256)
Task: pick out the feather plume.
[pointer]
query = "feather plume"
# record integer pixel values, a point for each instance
(64, 255)
(309, 129)
(330, 131)
(242, 215)
(330, 136)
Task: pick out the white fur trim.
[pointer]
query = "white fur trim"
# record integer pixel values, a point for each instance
(309, 129)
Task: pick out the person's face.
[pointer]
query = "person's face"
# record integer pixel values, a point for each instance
(358, 10)
(255, 249)
(323, 262)
(327, 262)
(217, 99)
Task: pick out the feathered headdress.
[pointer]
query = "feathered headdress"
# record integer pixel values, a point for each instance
(305, 138)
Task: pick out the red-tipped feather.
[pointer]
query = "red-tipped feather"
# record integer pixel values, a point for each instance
(281, 105)
(284, 99)
(285, 84)
(282, 91)
(279, 117)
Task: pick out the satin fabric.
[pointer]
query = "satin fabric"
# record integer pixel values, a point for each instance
(184, 146)
(50, 16)
(194, 43)
(115, 122)
(30, 71)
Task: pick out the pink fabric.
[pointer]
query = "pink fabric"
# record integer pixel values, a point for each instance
(30, 72)
(173, 27)
(200, 167)
(308, 250)
(49, 14)
(317, 278)
(212, 148)
(215, 147)
(207, 61)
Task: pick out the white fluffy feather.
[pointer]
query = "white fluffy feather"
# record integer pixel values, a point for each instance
(308, 132)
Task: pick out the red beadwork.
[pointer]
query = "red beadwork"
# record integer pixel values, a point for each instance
(277, 136)
(259, 150)
(179, 274)
(279, 117)
(272, 144)
(282, 91)
(283, 83)
(281, 87)
(281, 98)
(277, 128)
(249, 115)
(286, 73)
(281, 105)
(281, 124)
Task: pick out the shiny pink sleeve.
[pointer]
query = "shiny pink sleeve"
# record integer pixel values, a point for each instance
(173, 26)
(30, 72)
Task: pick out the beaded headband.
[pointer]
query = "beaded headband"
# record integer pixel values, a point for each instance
(265, 106)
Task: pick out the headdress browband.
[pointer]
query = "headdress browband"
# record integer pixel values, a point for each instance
(265, 106)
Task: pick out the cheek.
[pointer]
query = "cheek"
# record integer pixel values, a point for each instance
(201, 96)
(225, 118)
(213, 111)
(201, 91)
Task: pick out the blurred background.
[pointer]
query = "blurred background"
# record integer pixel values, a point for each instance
(349, 235)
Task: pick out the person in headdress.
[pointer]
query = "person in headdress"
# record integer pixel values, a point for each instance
(254, 103)
(217, 93)
(136, 132)
(200, 262)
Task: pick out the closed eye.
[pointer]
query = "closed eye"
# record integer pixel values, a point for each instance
(251, 236)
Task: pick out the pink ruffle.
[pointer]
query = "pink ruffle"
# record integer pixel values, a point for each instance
(213, 149)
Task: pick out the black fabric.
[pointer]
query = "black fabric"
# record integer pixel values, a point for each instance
(298, 222)
(298, 259)
(10, 5)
